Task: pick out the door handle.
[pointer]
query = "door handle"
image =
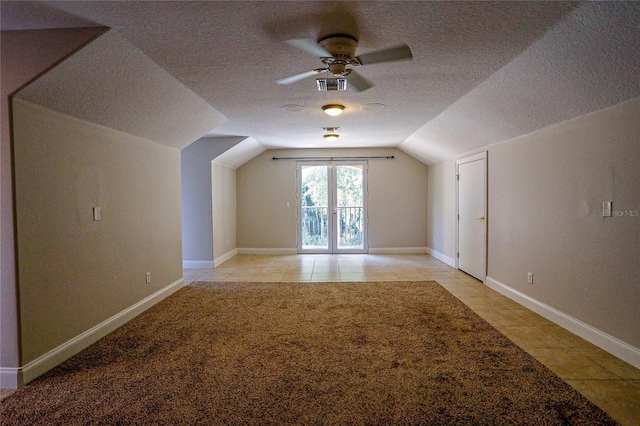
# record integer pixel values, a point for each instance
(480, 218)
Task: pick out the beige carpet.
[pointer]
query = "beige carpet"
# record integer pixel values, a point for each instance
(383, 353)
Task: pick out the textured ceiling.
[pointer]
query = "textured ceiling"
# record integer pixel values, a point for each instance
(586, 63)
(483, 72)
(93, 85)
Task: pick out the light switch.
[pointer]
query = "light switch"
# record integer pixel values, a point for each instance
(606, 209)
(288, 204)
(96, 213)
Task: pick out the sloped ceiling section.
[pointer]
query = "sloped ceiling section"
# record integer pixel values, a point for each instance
(30, 15)
(112, 83)
(239, 154)
(585, 63)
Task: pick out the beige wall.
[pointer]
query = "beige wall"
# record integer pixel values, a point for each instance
(397, 199)
(264, 186)
(197, 189)
(545, 216)
(397, 202)
(74, 272)
(25, 55)
(441, 229)
(545, 199)
(223, 182)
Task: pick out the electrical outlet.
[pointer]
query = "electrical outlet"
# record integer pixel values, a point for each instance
(148, 277)
(530, 277)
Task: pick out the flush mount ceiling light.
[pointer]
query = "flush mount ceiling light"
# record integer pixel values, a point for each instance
(333, 109)
(331, 136)
(331, 133)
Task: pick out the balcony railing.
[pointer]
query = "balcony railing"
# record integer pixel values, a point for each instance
(315, 227)
(350, 227)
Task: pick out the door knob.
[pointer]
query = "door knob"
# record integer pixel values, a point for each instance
(480, 218)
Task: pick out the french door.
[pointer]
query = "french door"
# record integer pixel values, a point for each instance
(332, 208)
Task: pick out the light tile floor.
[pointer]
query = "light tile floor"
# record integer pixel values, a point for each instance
(608, 382)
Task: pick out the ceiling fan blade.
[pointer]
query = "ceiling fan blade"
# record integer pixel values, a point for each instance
(397, 53)
(300, 76)
(358, 82)
(310, 46)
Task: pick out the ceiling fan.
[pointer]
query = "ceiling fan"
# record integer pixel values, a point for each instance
(338, 53)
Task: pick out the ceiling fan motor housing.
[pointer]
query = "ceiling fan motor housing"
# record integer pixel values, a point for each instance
(343, 48)
(340, 44)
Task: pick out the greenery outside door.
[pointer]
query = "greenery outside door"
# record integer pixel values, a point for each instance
(332, 214)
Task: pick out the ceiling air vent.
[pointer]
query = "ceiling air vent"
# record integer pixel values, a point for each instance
(325, 84)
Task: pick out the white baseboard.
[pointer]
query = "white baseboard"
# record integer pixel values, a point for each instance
(614, 346)
(290, 251)
(12, 378)
(220, 260)
(397, 250)
(441, 257)
(268, 251)
(197, 264)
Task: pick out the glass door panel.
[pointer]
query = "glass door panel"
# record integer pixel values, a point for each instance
(314, 208)
(349, 207)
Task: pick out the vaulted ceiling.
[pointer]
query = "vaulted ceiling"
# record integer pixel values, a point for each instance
(482, 72)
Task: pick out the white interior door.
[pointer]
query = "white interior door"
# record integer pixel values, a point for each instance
(472, 215)
(332, 213)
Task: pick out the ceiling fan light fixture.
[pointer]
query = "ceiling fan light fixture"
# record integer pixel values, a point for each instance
(333, 109)
(331, 136)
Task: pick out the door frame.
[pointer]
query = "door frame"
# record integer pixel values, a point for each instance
(481, 156)
(332, 200)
